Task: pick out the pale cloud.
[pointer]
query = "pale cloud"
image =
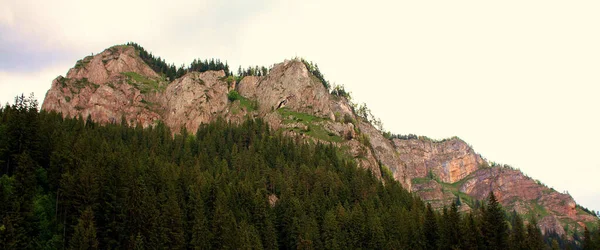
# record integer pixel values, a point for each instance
(516, 79)
(6, 17)
(13, 84)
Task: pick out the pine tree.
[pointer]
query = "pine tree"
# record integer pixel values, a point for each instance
(331, 231)
(517, 235)
(431, 229)
(535, 239)
(471, 234)
(494, 228)
(223, 225)
(9, 235)
(555, 245)
(451, 228)
(200, 234)
(587, 240)
(23, 218)
(84, 236)
(138, 243)
(171, 223)
(248, 236)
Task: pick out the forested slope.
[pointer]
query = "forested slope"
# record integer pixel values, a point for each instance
(127, 83)
(73, 184)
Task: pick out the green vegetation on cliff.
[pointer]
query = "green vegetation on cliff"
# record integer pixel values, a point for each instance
(173, 72)
(144, 84)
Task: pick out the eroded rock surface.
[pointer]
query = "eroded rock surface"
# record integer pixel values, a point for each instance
(387, 154)
(108, 65)
(116, 84)
(194, 99)
(449, 160)
(288, 84)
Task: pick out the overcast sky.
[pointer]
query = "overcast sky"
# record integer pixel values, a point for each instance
(517, 80)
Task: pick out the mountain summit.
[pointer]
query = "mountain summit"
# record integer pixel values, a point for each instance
(126, 84)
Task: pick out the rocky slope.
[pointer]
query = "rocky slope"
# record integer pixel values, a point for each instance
(117, 84)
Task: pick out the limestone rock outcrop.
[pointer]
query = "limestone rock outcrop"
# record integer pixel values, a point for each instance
(288, 84)
(450, 160)
(386, 153)
(194, 99)
(108, 65)
(118, 85)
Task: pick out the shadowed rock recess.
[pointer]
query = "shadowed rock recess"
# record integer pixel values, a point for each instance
(117, 85)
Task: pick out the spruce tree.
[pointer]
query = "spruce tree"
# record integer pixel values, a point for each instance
(517, 234)
(84, 236)
(431, 229)
(587, 240)
(200, 233)
(535, 239)
(331, 231)
(452, 228)
(471, 233)
(555, 245)
(494, 228)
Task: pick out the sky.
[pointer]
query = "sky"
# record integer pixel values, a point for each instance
(517, 80)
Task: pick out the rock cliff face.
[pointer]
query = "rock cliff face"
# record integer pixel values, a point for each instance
(117, 84)
(288, 84)
(194, 99)
(450, 160)
(112, 85)
(526, 196)
(108, 65)
(386, 153)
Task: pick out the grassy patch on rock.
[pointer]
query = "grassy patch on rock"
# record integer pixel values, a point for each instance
(75, 85)
(293, 116)
(420, 180)
(313, 127)
(83, 62)
(454, 188)
(247, 104)
(144, 84)
(538, 210)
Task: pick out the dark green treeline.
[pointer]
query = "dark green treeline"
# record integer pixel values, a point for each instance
(71, 184)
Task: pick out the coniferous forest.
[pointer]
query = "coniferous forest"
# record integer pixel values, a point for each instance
(74, 184)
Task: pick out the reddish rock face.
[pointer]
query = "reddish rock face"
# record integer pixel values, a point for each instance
(116, 84)
(515, 191)
(386, 153)
(194, 99)
(450, 160)
(98, 87)
(288, 84)
(550, 224)
(511, 185)
(107, 103)
(507, 185)
(108, 65)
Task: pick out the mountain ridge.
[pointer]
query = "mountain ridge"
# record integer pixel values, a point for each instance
(118, 84)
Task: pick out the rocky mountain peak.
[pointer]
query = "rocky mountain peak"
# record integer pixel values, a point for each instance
(288, 84)
(108, 65)
(118, 84)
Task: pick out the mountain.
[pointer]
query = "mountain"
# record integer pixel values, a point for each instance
(123, 84)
